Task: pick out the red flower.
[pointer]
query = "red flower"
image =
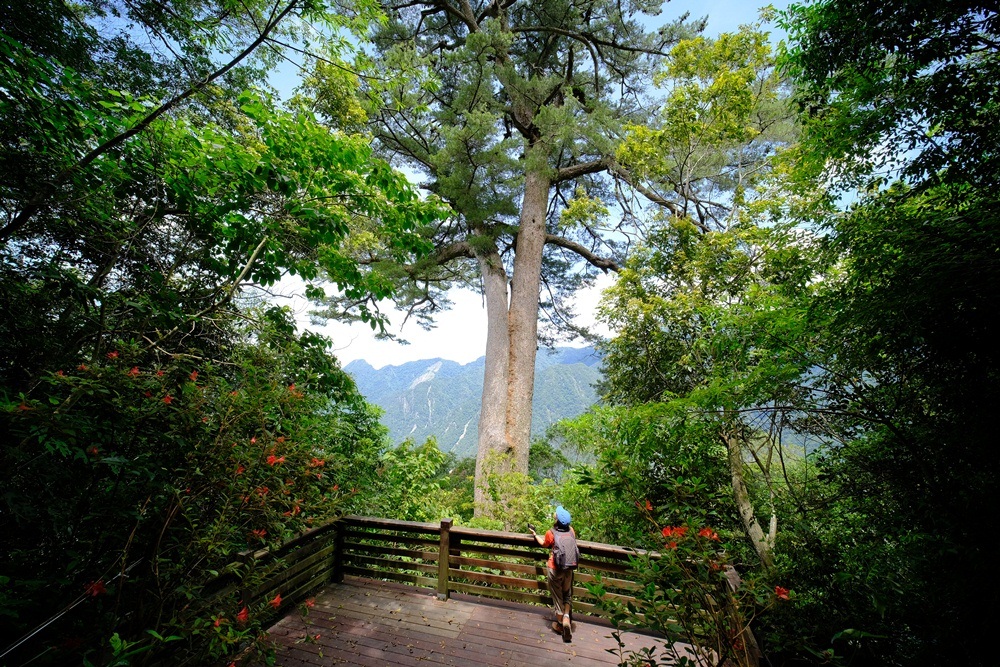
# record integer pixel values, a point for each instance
(709, 533)
(273, 460)
(781, 592)
(292, 512)
(159, 373)
(259, 533)
(134, 371)
(92, 451)
(649, 506)
(336, 487)
(148, 394)
(243, 616)
(263, 491)
(219, 621)
(82, 367)
(194, 376)
(240, 470)
(24, 407)
(671, 545)
(280, 438)
(317, 463)
(253, 440)
(60, 374)
(113, 355)
(95, 588)
(310, 603)
(276, 602)
(168, 399)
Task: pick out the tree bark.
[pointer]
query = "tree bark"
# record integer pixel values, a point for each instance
(511, 344)
(523, 316)
(493, 414)
(762, 544)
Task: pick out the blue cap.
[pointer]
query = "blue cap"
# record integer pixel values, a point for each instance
(562, 516)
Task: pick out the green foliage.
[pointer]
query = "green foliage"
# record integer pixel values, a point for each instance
(407, 486)
(690, 594)
(157, 419)
(517, 500)
(650, 461)
(166, 471)
(476, 97)
(908, 95)
(909, 92)
(707, 152)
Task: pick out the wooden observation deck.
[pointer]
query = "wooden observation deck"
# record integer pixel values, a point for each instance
(384, 624)
(380, 592)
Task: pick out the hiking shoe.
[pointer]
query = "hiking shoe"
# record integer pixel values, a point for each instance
(567, 629)
(557, 628)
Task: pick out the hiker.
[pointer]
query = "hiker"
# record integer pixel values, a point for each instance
(562, 562)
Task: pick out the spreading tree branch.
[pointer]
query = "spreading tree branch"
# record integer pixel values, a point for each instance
(603, 263)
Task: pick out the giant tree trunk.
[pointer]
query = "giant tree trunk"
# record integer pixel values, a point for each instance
(511, 344)
(493, 415)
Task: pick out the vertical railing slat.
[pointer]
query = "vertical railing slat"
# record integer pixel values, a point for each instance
(443, 551)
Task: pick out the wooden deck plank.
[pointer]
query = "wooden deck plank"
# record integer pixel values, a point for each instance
(367, 623)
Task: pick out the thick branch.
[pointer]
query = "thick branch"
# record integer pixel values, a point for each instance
(581, 169)
(443, 256)
(603, 263)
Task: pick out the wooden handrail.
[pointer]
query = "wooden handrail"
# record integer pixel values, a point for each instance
(440, 556)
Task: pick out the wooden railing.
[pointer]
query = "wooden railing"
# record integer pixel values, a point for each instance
(439, 556)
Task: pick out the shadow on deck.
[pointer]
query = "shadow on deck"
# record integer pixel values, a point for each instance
(380, 624)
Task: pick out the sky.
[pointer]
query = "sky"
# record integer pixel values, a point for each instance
(460, 334)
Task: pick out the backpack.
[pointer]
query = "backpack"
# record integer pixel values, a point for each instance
(565, 553)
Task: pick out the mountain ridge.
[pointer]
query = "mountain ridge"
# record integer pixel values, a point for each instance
(441, 398)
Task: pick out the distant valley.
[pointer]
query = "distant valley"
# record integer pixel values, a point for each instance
(441, 398)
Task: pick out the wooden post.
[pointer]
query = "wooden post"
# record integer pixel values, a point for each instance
(338, 553)
(443, 549)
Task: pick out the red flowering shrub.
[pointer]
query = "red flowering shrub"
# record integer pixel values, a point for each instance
(118, 468)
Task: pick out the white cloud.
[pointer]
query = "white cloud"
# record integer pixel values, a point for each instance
(460, 334)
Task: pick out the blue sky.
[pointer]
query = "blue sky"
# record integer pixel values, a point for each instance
(460, 334)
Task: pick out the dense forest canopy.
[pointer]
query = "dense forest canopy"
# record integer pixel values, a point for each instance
(804, 361)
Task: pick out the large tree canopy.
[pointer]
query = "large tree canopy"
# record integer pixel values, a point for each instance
(515, 114)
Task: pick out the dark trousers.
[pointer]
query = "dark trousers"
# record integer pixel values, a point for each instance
(561, 587)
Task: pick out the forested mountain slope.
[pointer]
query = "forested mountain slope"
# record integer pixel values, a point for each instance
(441, 398)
